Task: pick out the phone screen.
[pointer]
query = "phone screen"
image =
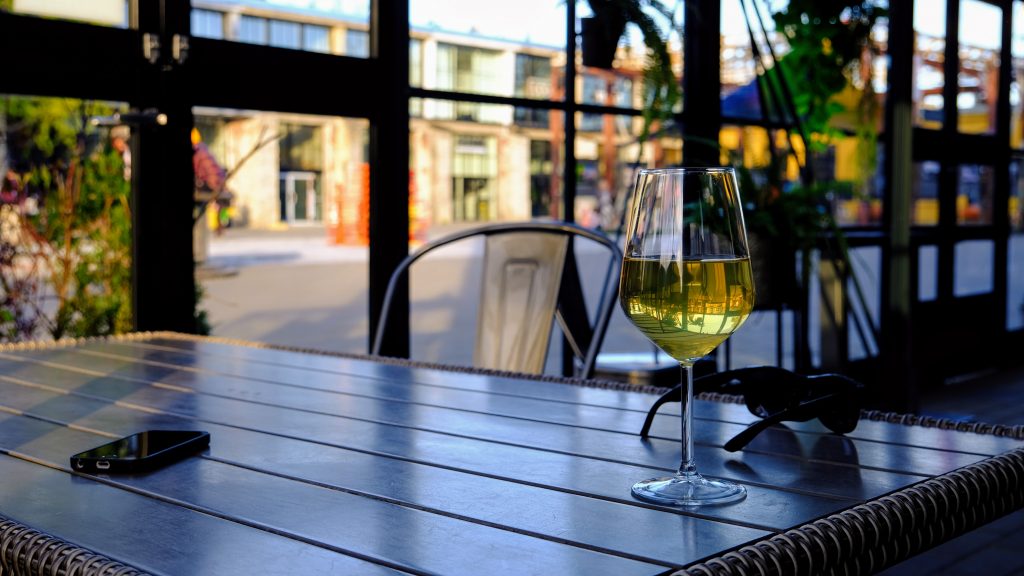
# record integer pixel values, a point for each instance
(141, 445)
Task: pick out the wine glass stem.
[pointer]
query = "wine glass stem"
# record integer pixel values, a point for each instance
(686, 466)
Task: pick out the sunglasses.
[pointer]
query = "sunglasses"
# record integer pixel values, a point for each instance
(777, 395)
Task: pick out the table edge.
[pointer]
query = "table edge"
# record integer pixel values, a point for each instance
(26, 550)
(881, 532)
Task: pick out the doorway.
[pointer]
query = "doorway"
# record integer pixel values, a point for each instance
(300, 198)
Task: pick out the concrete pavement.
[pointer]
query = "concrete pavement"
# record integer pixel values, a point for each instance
(293, 288)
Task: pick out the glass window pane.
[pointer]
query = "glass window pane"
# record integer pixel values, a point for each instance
(972, 264)
(207, 24)
(285, 34)
(290, 222)
(101, 12)
(980, 33)
(837, 74)
(929, 56)
(926, 193)
(484, 162)
(416, 62)
(1015, 284)
(316, 38)
(927, 273)
(57, 153)
(357, 43)
(252, 29)
(607, 155)
(473, 163)
(1017, 74)
(1016, 207)
(855, 200)
(743, 95)
(533, 77)
(627, 59)
(974, 194)
(866, 264)
(327, 26)
(503, 49)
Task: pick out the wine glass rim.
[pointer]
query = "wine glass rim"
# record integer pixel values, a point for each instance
(687, 169)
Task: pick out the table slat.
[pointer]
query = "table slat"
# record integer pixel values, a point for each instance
(764, 507)
(877, 431)
(620, 446)
(155, 536)
(409, 538)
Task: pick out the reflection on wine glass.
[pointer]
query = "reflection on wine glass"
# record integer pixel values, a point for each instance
(687, 285)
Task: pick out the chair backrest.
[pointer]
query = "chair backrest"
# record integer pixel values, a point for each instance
(529, 281)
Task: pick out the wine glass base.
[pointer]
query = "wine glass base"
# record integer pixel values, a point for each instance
(690, 490)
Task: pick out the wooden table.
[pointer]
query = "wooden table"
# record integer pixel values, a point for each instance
(325, 464)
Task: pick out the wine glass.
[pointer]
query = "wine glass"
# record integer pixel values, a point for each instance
(687, 285)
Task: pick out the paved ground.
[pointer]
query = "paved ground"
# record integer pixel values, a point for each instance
(293, 288)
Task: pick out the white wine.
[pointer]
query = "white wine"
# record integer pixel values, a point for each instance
(687, 315)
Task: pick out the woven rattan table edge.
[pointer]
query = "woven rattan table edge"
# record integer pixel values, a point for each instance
(25, 550)
(883, 531)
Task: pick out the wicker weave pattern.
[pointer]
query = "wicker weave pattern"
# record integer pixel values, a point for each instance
(887, 530)
(24, 551)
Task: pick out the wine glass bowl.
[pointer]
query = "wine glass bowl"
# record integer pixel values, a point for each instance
(687, 285)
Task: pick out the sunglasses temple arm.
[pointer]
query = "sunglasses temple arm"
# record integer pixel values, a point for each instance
(673, 395)
(795, 413)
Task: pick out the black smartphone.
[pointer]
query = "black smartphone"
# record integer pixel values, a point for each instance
(140, 452)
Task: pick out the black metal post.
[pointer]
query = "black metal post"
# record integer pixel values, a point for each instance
(569, 164)
(1001, 195)
(163, 279)
(702, 105)
(389, 172)
(949, 177)
(895, 387)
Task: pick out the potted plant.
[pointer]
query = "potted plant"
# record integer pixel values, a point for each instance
(600, 36)
(826, 42)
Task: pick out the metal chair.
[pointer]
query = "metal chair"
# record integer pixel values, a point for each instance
(529, 280)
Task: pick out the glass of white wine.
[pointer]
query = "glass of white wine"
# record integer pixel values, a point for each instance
(687, 285)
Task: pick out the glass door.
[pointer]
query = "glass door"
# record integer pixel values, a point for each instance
(300, 198)
(962, 170)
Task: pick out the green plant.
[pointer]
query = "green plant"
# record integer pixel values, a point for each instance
(827, 42)
(69, 221)
(661, 90)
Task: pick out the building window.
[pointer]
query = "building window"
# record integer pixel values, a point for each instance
(316, 38)
(357, 43)
(285, 34)
(465, 69)
(301, 147)
(252, 29)
(533, 76)
(301, 161)
(473, 179)
(541, 173)
(207, 24)
(415, 62)
(531, 117)
(593, 93)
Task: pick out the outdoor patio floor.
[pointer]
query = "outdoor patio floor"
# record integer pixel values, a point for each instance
(995, 549)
